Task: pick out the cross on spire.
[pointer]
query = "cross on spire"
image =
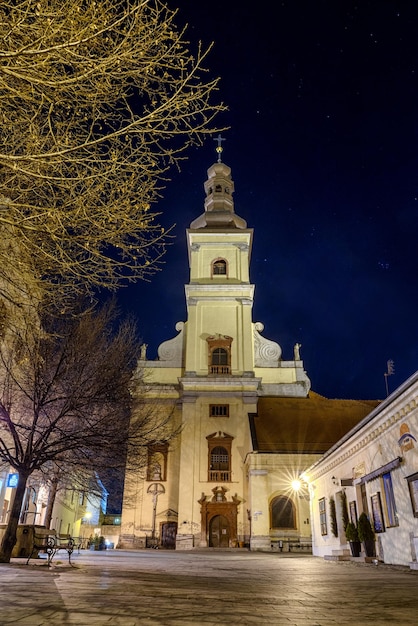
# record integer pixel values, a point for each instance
(219, 148)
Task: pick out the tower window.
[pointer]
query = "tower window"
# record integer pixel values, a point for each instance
(219, 410)
(219, 354)
(219, 361)
(219, 267)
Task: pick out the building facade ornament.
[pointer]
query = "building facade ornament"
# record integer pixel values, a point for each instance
(172, 350)
(267, 353)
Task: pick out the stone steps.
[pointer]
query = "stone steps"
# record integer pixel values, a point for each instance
(339, 555)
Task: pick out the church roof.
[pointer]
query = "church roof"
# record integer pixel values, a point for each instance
(304, 425)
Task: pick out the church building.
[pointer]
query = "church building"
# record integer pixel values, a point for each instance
(249, 422)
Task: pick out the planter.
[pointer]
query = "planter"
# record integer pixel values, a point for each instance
(366, 534)
(355, 547)
(369, 547)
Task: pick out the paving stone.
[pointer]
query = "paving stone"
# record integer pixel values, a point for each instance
(159, 588)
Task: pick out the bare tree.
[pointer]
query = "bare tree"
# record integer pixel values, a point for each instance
(98, 100)
(65, 402)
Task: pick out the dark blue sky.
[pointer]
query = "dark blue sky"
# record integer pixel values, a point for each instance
(323, 109)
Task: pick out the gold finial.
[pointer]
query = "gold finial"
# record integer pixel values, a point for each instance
(219, 148)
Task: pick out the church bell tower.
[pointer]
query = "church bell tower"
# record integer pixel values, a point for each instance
(197, 492)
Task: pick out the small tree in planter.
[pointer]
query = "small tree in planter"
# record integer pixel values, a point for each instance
(333, 516)
(351, 533)
(366, 534)
(344, 509)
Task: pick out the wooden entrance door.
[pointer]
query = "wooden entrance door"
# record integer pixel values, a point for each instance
(219, 532)
(168, 535)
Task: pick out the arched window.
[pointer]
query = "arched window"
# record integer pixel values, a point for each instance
(219, 457)
(219, 353)
(219, 267)
(282, 512)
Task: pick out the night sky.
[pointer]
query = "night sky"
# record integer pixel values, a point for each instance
(323, 110)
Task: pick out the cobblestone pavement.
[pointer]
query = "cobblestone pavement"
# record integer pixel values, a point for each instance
(160, 588)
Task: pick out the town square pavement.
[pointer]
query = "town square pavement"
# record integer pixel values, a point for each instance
(196, 588)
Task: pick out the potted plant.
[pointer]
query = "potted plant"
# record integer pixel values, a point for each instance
(366, 534)
(344, 509)
(97, 543)
(351, 533)
(333, 516)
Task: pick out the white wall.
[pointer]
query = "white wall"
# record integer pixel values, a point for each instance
(388, 433)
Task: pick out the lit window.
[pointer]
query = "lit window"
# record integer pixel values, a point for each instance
(323, 516)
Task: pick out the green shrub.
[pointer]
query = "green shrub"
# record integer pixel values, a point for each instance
(365, 530)
(351, 532)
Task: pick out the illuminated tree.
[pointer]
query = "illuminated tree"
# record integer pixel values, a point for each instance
(65, 404)
(98, 100)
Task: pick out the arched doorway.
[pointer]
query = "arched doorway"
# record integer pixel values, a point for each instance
(219, 532)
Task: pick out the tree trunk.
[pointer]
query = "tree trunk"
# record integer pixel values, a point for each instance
(10, 534)
(51, 501)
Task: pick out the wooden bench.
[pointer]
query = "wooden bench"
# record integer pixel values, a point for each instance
(50, 543)
(65, 542)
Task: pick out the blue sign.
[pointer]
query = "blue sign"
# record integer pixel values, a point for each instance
(12, 480)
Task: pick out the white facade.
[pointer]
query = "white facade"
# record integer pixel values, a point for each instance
(376, 465)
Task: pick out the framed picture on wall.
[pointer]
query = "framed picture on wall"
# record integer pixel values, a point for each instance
(378, 522)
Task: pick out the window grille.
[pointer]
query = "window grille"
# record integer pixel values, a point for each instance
(219, 410)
